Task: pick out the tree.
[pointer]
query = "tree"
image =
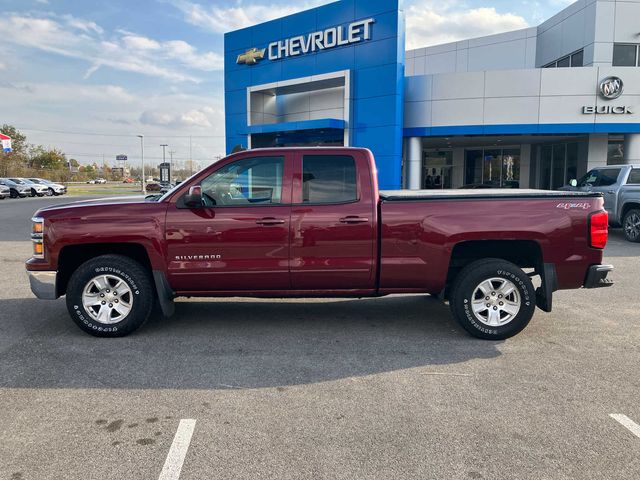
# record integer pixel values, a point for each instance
(44, 159)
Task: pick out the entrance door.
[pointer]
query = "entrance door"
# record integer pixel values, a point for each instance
(240, 239)
(333, 223)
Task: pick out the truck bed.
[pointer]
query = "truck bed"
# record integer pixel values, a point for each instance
(476, 194)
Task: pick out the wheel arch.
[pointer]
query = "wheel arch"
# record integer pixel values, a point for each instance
(72, 256)
(526, 254)
(629, 206)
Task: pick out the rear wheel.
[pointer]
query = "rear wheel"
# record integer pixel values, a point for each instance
(631, 225)
(493, 299)
(110, 296)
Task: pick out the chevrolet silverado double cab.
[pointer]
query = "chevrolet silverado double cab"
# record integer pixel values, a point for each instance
(310, 222)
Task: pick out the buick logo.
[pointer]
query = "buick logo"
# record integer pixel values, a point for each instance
(611, 88)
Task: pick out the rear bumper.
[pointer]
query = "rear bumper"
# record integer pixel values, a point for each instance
(597, 276)
(43, 284)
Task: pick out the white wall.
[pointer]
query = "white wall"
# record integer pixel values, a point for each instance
(532, 96)
(509, 50)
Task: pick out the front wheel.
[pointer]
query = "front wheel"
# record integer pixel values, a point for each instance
(493, 299)
(631, 226)
(110, 296)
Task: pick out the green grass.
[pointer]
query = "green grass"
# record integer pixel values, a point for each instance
(109, 189)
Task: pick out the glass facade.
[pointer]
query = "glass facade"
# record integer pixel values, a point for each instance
(625, 55)
(558, 165)
(492, 167)
(438, 169)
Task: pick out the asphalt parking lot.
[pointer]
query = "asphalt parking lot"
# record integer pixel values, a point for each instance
(375, 388)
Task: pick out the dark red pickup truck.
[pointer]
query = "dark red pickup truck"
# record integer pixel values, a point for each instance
(311, 222)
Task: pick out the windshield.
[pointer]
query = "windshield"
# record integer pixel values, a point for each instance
(36, 180)
(6, 181)
(18, 181)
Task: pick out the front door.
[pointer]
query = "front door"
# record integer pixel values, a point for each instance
(333, 223)
(239, 239)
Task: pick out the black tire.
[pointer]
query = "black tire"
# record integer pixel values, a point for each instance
(466, 287)
(33, 192)
(124, 268)
(50, 192)
(14, 193)
(630, 225)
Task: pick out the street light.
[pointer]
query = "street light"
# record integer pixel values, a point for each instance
(144, 187)
(164, 145)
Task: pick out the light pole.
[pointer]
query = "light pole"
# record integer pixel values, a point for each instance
(144, 187)
(164, 146)
(171, 152)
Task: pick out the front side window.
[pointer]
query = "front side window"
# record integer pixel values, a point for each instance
(329, 179)
(252, 181)
(624, 55)
(608, 177)
(600, 178)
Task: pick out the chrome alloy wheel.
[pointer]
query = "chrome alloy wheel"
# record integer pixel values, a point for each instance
(107, 299)
(496, 302)
(632, 226)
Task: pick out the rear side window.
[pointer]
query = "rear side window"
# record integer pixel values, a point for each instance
(329, 179)
(608, 177)
(634, 177)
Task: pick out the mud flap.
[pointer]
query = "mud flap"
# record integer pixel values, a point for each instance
(544, 293)
(165, 294)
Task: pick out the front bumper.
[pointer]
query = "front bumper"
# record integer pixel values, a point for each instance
(43, 284)
(597, 276)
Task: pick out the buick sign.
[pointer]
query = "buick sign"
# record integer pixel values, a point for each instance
(611, 88)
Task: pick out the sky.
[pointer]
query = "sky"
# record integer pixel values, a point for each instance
(88, 76)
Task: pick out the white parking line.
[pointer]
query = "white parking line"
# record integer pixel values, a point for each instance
(626, 422)
(178, 450)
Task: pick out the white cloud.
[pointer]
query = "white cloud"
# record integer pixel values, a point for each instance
(427, 25)
(218, 19)
(191, 118)
(123, 51)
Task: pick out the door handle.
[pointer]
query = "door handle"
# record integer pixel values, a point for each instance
(354, 219)
(270, 221)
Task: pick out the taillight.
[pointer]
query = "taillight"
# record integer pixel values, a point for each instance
(599, 229)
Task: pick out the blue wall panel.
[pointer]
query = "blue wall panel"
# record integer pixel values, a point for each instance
(376, 66)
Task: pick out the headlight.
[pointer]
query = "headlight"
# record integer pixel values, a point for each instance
(37, 236)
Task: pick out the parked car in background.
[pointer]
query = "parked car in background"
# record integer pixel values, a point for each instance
(154, 187)
(620, 186)
(4, 192)
(52, 188)
(35, 189)
(16, 190)
(128, 180)
(101, 181)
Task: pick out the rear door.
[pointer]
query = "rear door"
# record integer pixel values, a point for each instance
(333, 222)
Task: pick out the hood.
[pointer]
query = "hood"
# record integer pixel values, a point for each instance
(98, 202)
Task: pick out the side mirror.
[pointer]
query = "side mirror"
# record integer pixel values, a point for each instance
(573, 183)
(193, 199)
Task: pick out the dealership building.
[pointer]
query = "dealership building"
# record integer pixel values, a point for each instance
(532, 108)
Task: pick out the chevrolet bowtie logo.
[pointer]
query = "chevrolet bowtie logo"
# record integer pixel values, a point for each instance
(251, 57)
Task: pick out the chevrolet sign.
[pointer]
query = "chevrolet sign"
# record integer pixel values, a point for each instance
(355, 32)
